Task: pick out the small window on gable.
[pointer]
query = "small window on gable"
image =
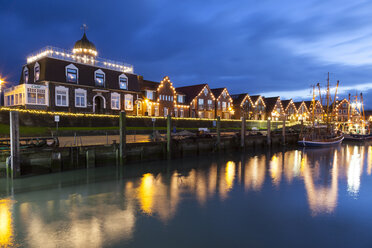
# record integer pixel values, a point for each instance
(99, 77)
(25, 75)
(205, 91)
(123, 82)
(37, 71)
(72, 74)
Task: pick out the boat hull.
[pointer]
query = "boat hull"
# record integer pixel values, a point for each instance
(358, 137)
(308, 143)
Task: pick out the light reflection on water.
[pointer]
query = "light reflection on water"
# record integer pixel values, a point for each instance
(108, 212)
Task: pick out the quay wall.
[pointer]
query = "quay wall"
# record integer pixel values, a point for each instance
(68, 158)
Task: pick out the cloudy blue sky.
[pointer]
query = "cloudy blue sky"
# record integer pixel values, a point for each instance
(260, 47)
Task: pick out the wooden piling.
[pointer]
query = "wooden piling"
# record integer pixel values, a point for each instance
(90, 158)
(169, 138)
(242, 138)
(218, 132)
(268, 136)
(14, 144)
(283, 132)
(123, 139)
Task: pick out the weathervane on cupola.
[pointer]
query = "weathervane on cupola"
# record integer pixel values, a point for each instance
(84, 47)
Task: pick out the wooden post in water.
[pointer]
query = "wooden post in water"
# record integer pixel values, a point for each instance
(14, 144)
(242, 138)
(169, 138)
(218, 132)
(283, 131)
(268, 131)
(123, 138)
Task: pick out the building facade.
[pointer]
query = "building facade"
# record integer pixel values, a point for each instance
(243, 106)
(223, 103)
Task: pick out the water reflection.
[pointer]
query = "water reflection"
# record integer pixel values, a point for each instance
(6, 223)
(108, 212)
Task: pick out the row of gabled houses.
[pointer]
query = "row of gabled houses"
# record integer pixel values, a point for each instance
(81, 82)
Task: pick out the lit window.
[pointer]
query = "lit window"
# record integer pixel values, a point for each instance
(25, 75)
(123, 82)
(71, 75)
(165, 111)
(99, 77)
(201, 101)
(80, 98)
(175, 112)
(209, 102)
(156, 108)
(115, 101)
(149, 94)
(128, 102)
(223, 105)
(180, 98)
(219, 105)
(181, 113)
(37, 71)
(61, 96)
(205, 91)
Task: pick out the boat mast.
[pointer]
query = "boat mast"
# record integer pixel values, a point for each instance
(334, 101)
(327, 112)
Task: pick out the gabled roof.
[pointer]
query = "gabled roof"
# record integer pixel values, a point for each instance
(298, 104)
(270, 103)
(239, 98)
(191, 91)
(255, 98)
(285, 103)
(217, 92)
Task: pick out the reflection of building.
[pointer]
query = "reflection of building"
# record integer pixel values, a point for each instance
(254, 173)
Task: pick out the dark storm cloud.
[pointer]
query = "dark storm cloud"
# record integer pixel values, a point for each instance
(238, 44)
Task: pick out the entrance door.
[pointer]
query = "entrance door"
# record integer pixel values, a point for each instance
(98, 105)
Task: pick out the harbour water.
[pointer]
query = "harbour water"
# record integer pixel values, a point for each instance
(294, 198)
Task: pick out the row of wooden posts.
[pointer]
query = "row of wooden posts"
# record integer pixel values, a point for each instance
(14, 169)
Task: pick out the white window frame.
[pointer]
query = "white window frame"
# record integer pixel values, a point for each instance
(115, 100)
(85, 98)
(64, 89)
(126, 86)
(99, 71)
(156, 110)
(200, 101)
(166, 111)
(182, 113)
(210, 102)
(148, 92)
(36, 76)
(180, 98)
(128, 97)
(26, 77)
(175, 112)
(73, 67)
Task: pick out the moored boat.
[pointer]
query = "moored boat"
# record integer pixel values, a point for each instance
(321, 142)
(358, 137)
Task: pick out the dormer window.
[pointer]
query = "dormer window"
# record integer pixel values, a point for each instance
(99, 77)
(37, 71)
(180, 98)
(25, 75)
(123, 82)
(72, 74)
(149, 94)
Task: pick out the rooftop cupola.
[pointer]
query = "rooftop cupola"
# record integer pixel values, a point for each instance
(84, 46)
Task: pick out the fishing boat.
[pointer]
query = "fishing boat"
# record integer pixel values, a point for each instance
(321, 135)
(357, 128)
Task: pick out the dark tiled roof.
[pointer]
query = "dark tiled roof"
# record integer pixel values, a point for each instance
(285, 103)
(190, 91)
(270, 103)
(217, 92)
(308, 104)
(298, 104)
(149, 85)
(238, 98)
(255, 98)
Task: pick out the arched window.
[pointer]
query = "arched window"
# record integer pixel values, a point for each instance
(99, 78)
(36, 72)
(123, 82)
(72, 74)
(25, 75)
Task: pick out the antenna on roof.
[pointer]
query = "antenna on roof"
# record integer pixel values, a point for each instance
(84, 27)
